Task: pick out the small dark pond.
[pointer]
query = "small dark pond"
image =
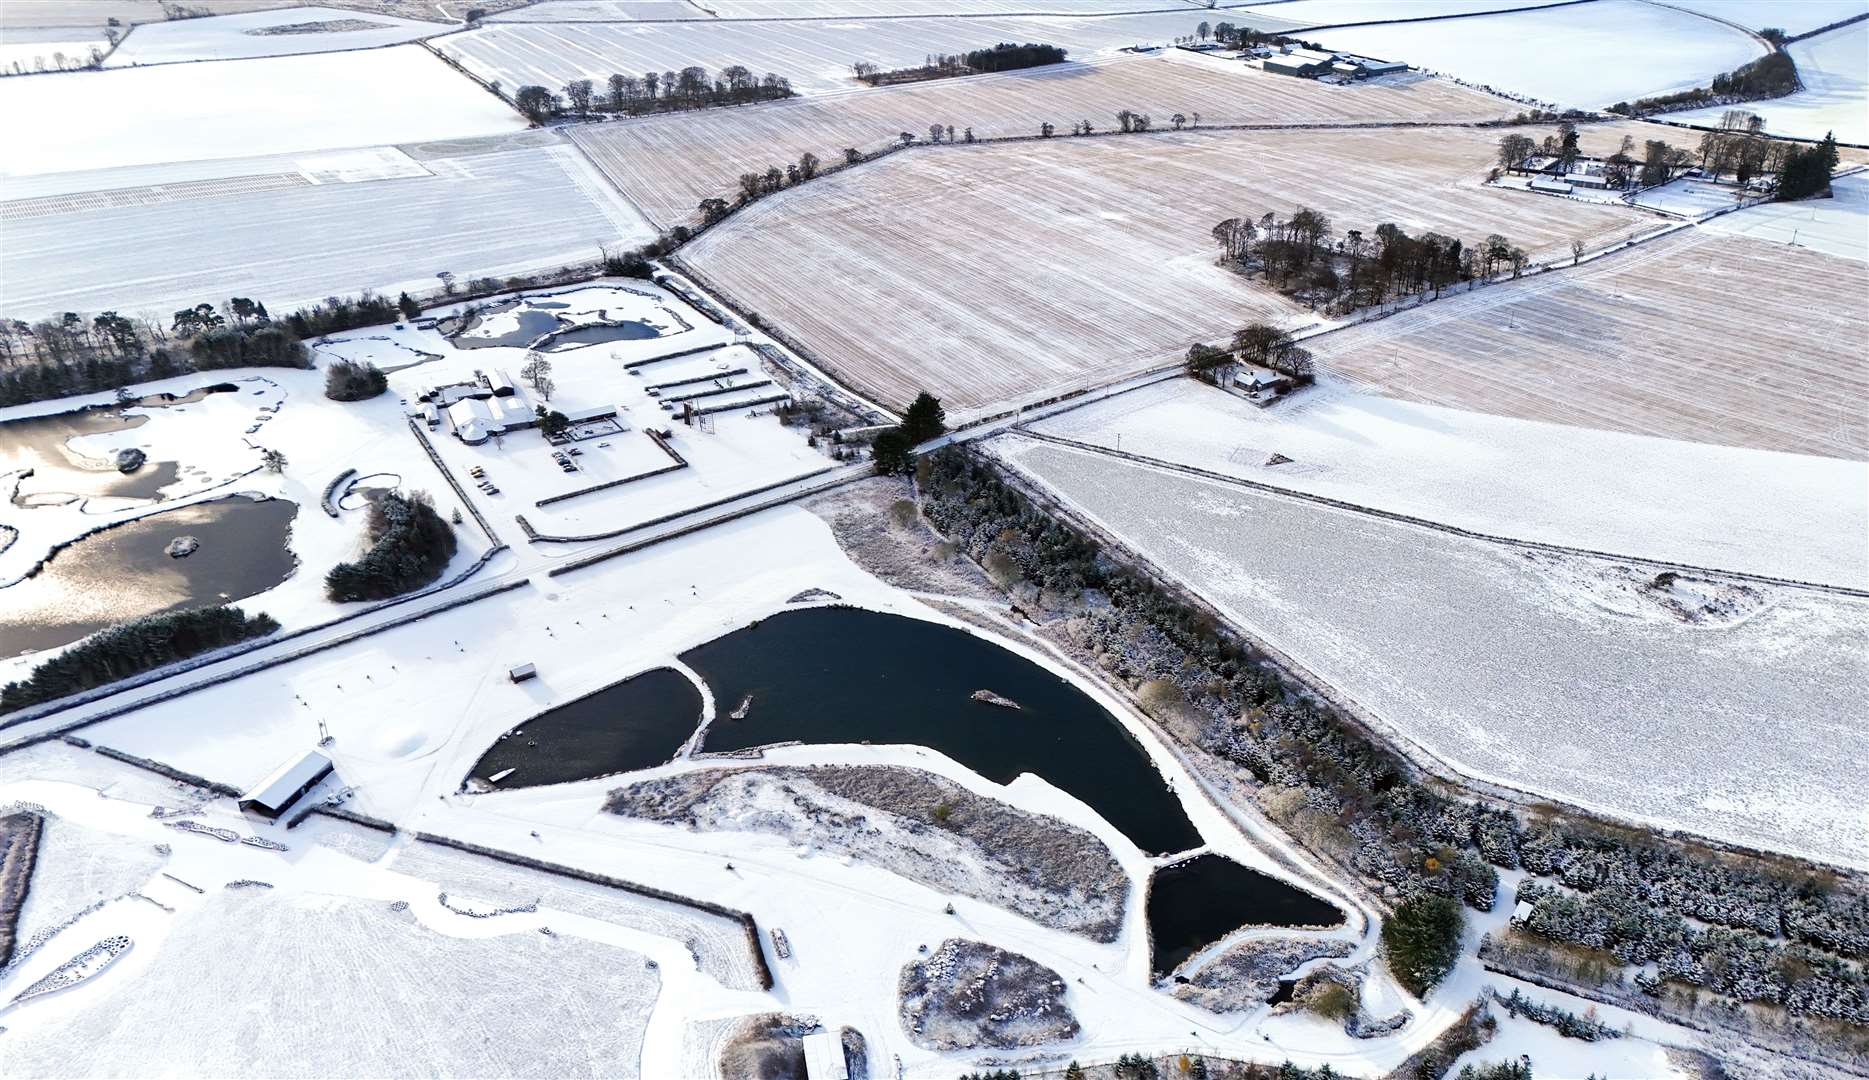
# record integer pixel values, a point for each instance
(123, 572)
(632, 725)
(843, 675)
(1195, 903)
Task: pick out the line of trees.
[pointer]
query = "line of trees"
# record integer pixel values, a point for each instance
(410, 546)
(1002, 57)
(651, 92)
(1772, 75)
(1301, 257)
(73, 354)
(123, 650)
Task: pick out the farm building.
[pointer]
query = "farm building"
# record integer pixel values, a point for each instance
(1549, 185)
(1303, 63)
(283, 786)
(475, 420)
(1260, 384)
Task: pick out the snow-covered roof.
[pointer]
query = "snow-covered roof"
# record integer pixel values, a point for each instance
(1312, 56)
(285, 782)
(467, 410)
(1522, 911)
(824, 1057)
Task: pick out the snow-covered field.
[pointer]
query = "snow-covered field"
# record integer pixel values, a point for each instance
(292, 232)
(1550, 674)
(815, 55)
(1588, 55)
(1792, 16)
(668, 164)
(1336, 12)
(279, 32)
(1668, 339)
(1835, 226)
(253, 982)
(132, 116)
(1728, 508)
(27, 51)
(1690, 197)
(1835, 98)
(1098, 251)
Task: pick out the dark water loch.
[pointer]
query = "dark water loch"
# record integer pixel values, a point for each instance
(123, 572)
(632, 725)
(1195, 903)
(841, 675)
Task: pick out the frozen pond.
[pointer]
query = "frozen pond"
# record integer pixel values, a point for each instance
(563, 321)
(124, 572)
(1195, 903)
(59, 473)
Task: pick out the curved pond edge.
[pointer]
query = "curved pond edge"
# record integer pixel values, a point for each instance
(1159, 976)
(682, 750)
(1242, 838)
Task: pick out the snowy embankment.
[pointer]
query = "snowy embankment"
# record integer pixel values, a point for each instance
(1834, 67)
(928, 830)
(279, 32)
(1574, 679)
(1585, 55)
(131, 116)
(1729, 508)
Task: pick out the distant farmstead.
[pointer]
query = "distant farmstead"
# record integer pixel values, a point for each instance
(1311, 63)
(286, 784)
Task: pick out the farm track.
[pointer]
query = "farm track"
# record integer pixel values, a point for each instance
(667, 164)
(1087, 259)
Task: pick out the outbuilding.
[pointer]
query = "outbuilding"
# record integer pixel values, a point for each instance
(285, 784)
(1300, 63)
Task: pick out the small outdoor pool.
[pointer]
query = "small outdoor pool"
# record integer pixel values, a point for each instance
(124, 572)
(635, 724)
(844, 675)
(1195, 903)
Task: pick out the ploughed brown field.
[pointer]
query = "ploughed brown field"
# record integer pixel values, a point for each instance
(987, 274)
(668, 164)
(1699, 336)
